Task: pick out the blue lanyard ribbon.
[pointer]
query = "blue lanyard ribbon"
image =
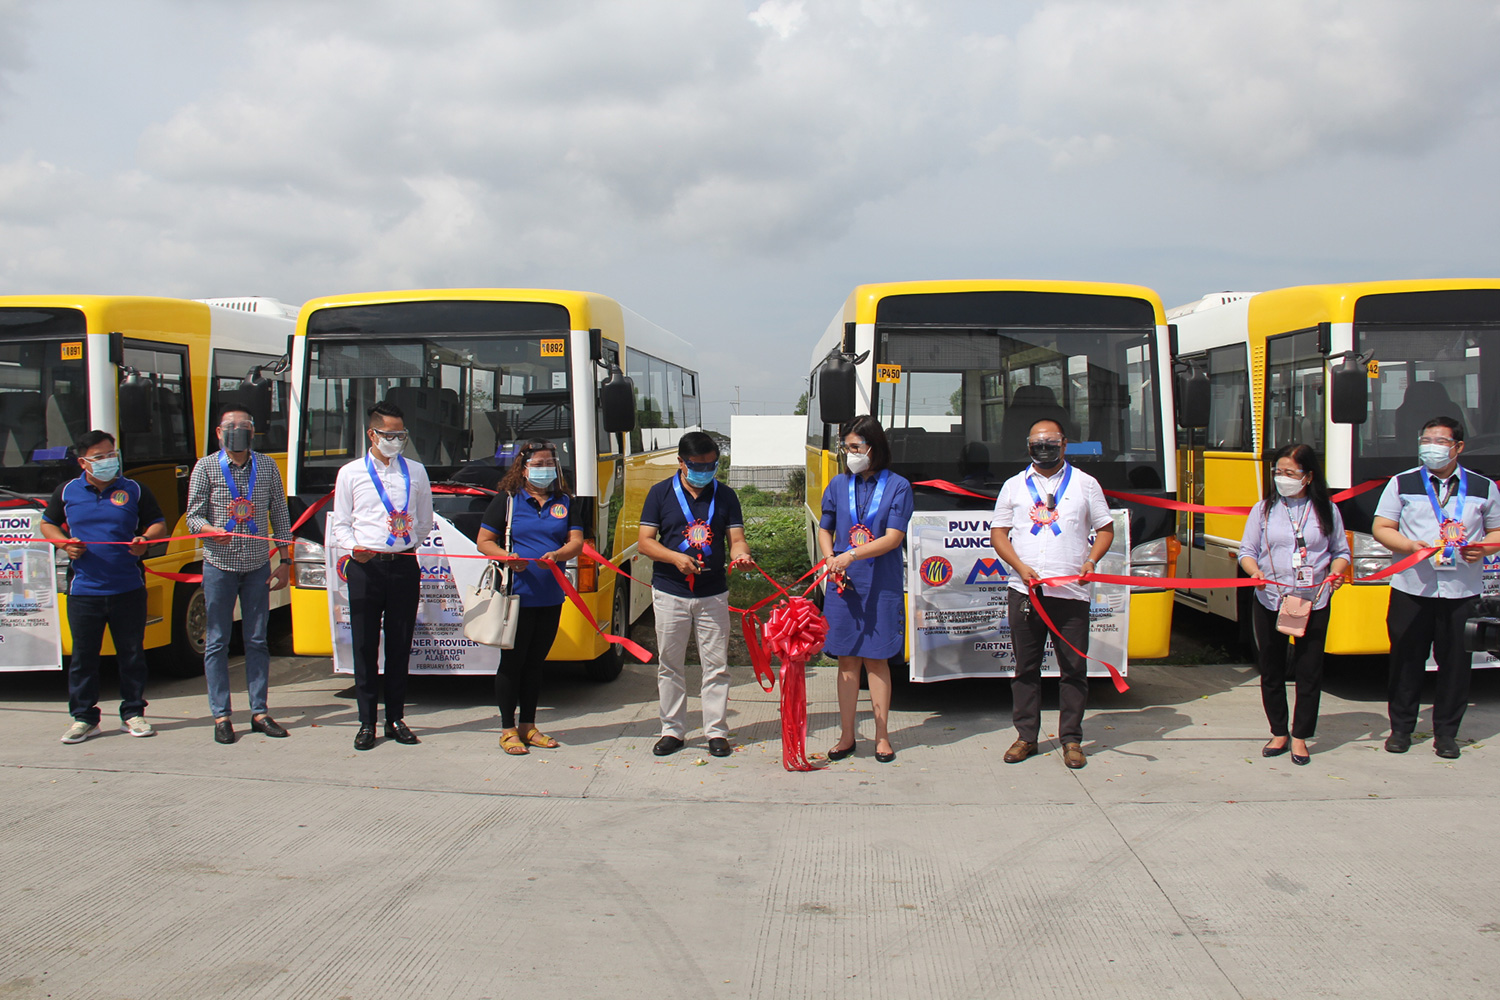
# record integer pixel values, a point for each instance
(1056, 499)
(855, 518)
(687, 513)
(1442, 518)
(404, 514)
(236, 501)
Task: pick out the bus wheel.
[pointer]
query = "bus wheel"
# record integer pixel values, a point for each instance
(183, 656)
(608, 665)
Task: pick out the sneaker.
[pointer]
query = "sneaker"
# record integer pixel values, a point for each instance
(80, 731)
(137, 726)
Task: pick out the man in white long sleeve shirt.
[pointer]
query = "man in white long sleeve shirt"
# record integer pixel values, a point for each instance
(382, 509)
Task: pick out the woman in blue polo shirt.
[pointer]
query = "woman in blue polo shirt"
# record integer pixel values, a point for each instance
(547, 526)
(865, 513)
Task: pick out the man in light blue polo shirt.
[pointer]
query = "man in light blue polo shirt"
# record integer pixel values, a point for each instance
(1438, 503)
(104, 521)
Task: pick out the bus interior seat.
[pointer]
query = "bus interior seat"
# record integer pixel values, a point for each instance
(1422, 402)
(1030, 404)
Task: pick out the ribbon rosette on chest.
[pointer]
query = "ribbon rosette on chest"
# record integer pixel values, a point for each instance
(1041, 516)
(860, 535)
(241, 510)
(1453, 532)
(399, 523)
(699, 535)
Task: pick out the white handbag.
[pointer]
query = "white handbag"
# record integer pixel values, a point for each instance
(491, 613)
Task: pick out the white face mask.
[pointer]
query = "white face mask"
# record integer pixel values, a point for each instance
(1288, 486)
(857, 462)
(390, 449)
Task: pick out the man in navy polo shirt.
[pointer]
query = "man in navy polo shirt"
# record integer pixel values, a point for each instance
(107, 586)
(687, 523)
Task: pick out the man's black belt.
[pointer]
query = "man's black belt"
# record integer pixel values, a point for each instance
(388, 556)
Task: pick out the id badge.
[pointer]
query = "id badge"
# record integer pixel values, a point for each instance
(1304, 577)
(1443, 562)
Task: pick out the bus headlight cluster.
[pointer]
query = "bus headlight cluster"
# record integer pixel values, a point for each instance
(1369, 555)
(1149, 558)
(60, 565)
(308, 568)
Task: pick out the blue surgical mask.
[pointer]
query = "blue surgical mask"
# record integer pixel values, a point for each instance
(1435, 456)
(698, 480)
(542, 477)
(106, 469)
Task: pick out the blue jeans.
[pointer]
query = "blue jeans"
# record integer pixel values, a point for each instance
(125, 614)
(220, 589)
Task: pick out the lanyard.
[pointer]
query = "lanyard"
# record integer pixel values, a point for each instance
(241, 508)
(1042, 513)
(698, 534)
(859, 532)
(1451, 529)
(398, 521)
(1298, 528)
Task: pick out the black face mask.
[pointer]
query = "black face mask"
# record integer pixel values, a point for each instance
(1044, 454)
(236, 438)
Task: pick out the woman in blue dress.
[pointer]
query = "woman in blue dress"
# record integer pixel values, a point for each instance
(865, 513)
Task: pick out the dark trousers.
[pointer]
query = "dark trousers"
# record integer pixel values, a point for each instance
(518, 678)
(1306, 667)
(383, 596)
(125, 614)
(1028, 635)
(1415, 625)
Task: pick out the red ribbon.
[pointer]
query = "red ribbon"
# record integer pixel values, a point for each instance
(1160, 502)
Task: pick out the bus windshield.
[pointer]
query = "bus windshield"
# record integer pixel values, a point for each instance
(1425, 372)
(44, 400)
(467, 400)
(967, 397)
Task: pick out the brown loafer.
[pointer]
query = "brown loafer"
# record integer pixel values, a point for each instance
(1019, 751)
(1073, 755)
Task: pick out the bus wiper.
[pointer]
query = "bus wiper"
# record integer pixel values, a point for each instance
(33, 501)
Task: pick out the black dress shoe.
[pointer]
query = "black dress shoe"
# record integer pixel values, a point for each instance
(1445, 747)
(365, 738)
(1301, 759)
(224, 731)
(837, 754)
(885, 758)
(269, 726)
(1270, 751)
(1398, 743)
(667, 745)
(399, 732)
(719, 747)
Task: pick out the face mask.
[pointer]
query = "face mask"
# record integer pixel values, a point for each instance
(857, 462)
(236, 439)
(541, 478)
(1044, 453)
(390, 449)
(105, 470)
(697, 480)
(1435, 456)
(1288, 486)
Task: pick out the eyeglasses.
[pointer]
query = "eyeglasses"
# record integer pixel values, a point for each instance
(701, 466)
(545, 463)
(393, 435)
(857, 448)
(1445, 442)
(1295, 473)
(91, 459)
(1044, 440)
(238, 426)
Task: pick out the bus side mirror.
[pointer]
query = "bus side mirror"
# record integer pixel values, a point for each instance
(836, 385)
(1350, 385)
(617, 403)
(1193, 396)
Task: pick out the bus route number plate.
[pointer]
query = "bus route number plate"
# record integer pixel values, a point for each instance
(553, 348)
(1372, 367)
(72, 351)
(888, 373)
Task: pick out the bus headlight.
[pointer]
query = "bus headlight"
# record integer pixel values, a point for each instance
(308, 568)
(60, 562)
(1154, 557)
(1369, 555)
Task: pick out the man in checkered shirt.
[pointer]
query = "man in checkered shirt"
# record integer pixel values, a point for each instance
(236, 492)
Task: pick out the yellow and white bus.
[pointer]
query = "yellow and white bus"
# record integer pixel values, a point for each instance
(1271, 358)
(956, 372)
(476, 371)
(153, 372)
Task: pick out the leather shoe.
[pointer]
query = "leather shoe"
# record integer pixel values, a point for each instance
(885, 758)
(1445, 747)
(223, 731)
(1398, 743)
(1019, 751)
(269, 726)
(1073, 756)
(719, 747)
(837, 754)
(667, 745)
(365, 738)
(400, 733)
(1270, 751)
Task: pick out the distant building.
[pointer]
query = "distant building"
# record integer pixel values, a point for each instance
(764, 451)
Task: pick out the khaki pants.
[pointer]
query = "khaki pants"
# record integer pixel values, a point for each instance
(676, 619)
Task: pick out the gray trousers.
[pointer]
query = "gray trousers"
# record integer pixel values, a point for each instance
(676, 619)
(1029, 635)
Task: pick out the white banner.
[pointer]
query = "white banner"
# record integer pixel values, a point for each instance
(438, 645)
(30, 632)
(957, 588)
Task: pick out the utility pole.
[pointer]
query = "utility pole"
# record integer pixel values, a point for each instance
(736, 400)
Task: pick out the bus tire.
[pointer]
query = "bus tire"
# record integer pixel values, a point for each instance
(183, 656)
(609, 664)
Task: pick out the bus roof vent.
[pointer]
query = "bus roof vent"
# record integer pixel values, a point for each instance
(1211, 301)
(254, 304)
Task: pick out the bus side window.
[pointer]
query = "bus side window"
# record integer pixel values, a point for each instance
(1229, 399)
(156, 422)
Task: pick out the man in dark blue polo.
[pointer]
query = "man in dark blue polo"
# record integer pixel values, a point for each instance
(107, 585)
(689, 523)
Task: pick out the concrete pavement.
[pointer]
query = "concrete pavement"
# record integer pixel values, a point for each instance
(1179, 863)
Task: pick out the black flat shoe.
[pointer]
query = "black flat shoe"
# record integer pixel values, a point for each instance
(885, 758)
(224, 732)
(1398, 743)
(1301, 760)
(848, 751)
(1270, 751)
(365, 738)
(719, 747)
(399, 732)
(269, 726)
(667, 745)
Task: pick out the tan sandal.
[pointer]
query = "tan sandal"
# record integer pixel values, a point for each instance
(536, 738)
(510, 742)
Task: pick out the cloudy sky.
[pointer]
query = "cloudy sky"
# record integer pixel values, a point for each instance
(732, 169)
